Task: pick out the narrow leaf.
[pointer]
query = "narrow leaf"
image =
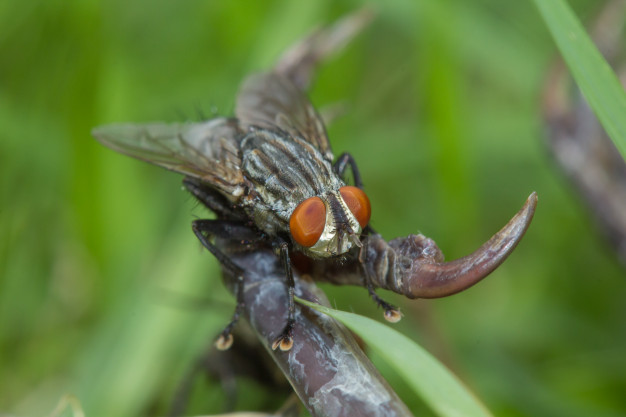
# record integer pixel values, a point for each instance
(430, 379)
(592, 73)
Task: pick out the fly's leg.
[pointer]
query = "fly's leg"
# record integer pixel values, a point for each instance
(342, 163)
(345, 160)
(204, 230)
(285, 340)
(392, 314)
(211, 199)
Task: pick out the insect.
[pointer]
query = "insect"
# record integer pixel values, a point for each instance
(269, 174)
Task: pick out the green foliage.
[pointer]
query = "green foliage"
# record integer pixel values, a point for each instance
(100, 274)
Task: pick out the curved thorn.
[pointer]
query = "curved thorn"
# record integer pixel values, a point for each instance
(434, 280)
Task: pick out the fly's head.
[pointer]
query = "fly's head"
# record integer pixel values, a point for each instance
(330, 224)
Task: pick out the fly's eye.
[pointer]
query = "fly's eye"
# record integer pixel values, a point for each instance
(307, 221)
(358, 203)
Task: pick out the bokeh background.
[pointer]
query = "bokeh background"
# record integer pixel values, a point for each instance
(443, 112)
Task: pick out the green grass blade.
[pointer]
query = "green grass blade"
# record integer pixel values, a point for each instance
(592, 73)
(431, 380)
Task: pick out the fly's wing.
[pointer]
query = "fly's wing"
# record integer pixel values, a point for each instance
(208, 151)
(270, 100)
(299, 61)
(276, 99)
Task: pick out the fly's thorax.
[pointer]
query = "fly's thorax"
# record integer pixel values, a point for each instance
(280, 172)
(341, 229)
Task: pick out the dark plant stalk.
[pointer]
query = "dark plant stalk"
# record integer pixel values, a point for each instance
(326, 368)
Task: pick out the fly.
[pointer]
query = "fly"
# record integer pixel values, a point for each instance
(269, 174)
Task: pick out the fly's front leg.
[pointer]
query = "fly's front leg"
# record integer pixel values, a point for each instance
(345, 160)
(342, 163)
(204, 230)
(285, 340)
(392, 314)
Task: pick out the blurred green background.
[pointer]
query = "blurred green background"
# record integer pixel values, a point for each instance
(443, 114)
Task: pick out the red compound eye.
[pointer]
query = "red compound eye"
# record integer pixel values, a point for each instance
(307, 221)
(358, 203)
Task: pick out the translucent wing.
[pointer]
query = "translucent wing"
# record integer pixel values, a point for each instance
(208, 151)
(299, 61)
(270, 100)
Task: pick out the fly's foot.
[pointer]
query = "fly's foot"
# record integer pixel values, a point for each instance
(225, 341)
(285, 340)
(392, 315)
